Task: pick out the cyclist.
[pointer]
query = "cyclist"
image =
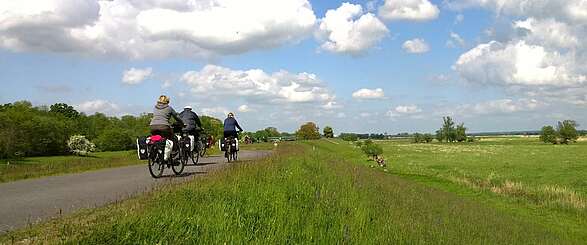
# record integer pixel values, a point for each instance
(191, 120)
(160, 124)
(230, 126)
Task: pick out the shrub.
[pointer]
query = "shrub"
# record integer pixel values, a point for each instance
(548, 135)
(428, 138)
(115, 140)
(79, 145)
(371, 149)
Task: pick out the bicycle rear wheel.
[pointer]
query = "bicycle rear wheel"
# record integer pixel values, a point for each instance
(156, 165)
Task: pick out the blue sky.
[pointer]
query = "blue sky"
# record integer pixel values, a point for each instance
(508, 73)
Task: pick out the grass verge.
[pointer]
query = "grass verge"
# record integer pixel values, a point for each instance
(33, 167)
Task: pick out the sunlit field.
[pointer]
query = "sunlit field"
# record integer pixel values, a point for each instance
(319, 192)
(543, 182)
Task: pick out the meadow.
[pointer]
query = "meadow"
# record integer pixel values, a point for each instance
(541, 182)
(314, 192)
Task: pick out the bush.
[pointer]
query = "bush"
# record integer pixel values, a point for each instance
(371, 149)
(115, 140)
(548, 135)
(428, 138)
(79, 145)
(567, 131)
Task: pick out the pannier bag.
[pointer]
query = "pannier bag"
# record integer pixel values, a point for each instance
(192, 142)
(142, 148)
(168, 149)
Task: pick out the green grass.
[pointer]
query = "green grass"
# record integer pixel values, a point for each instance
(33, 167)
(543, 183)
(308, 192)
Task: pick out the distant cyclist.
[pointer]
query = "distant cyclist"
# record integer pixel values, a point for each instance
(230, 126)
(191, 121)
(162, 114)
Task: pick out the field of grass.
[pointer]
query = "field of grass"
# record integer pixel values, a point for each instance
(33, 167)
(541, 182)
(307, 192)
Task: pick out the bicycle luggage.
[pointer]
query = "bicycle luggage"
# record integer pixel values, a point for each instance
(142, 148)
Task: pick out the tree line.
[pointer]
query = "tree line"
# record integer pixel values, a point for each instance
(27, 130)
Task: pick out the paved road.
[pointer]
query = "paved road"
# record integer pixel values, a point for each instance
(30, 201)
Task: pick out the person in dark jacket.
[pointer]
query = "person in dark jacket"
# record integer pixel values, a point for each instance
(162, 114)
(230, 126)
(191, 121)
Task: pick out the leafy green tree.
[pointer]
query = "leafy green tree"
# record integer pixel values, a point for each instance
(348, 137)
(548, 135)
(418, 138)
(115, 140)
(308, 131)
(448, 129)
(461, 133)
(371, 149)
(567, 131)
(428, 138)
(262, 135)
(439, 135)
(65, 110)
(328, 132)
(212, 126)
(272, 132)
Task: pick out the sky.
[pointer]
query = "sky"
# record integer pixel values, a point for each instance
(382, 66)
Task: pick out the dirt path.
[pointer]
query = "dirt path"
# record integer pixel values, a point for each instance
(30, 201)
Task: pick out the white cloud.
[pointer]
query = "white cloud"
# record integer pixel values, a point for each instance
(256, 85)
(217, 111)
(455, 41)
(244, 108)
(412, 10)
(102, 106)
(416, 46)
(502, 106)
(408, 109)
(403, 110)
(166, 84)
(154, 28)
(366, 93)
(517, 63)
(135, 76)
(347, 30)
(459, 18)
(540, 53)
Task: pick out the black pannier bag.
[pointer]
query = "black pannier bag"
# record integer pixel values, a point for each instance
(143, 148)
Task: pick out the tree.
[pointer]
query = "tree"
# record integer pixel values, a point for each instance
(418, 138)
(567, 131)
(439, 135)
(348, 137)
(64, 109)
(308, 131)
(328, 132)
(428, 138)
(212, 126)
(115, 140)
(79, 145)
(448, 129)
(461, 133)
(371, 149)
(548, 135)
(272, 132)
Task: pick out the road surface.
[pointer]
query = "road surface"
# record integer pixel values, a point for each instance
(30, 201)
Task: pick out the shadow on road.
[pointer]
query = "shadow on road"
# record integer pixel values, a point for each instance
(183, 175)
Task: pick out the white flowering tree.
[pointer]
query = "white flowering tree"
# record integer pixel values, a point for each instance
(79, 145)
